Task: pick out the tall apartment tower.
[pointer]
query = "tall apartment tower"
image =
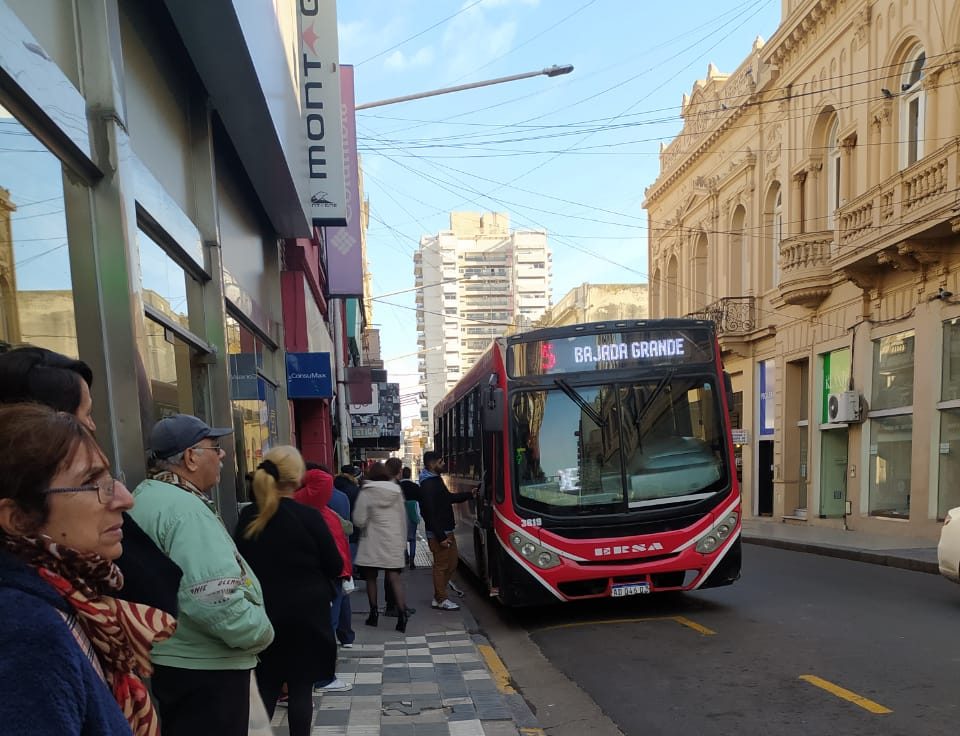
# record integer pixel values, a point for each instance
(474, 282)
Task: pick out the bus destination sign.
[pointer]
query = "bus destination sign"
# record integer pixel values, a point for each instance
(609, 351)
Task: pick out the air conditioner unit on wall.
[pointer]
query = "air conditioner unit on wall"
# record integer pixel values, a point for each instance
(843, 407)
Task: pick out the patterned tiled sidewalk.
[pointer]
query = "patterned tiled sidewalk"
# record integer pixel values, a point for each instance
(430, 681)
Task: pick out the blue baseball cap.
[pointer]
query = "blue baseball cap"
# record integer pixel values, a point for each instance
(173, 435)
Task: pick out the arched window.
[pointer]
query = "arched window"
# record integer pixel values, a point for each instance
(912, 104)
(833, 171)
(673, 288)
(773, 226)
(700, 296)
(736, 264)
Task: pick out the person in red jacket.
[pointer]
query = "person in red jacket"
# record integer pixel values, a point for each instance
(317, 491)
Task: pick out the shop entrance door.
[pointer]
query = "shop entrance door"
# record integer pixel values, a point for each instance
(765, 478)
(833, 473)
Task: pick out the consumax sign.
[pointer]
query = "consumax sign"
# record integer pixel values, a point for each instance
(320, 99)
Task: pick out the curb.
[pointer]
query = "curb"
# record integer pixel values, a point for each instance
(848, 553)
(523, 716)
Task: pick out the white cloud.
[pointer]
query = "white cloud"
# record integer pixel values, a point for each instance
(475, 37)
(399, 61)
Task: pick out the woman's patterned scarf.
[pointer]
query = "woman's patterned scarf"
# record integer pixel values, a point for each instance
(122, 633)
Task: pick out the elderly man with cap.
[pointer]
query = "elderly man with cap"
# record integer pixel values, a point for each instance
(201, 675)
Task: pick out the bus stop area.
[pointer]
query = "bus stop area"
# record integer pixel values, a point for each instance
(440, 678)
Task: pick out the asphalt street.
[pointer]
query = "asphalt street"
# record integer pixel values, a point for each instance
(802, 644)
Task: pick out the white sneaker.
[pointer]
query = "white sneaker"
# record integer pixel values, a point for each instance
(455, 589)
(337, 686)
(434, 604)
(347, 646)
(448, 605)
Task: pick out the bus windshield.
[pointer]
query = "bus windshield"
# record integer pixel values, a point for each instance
(608, 447)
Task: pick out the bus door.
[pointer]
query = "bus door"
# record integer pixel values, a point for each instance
(492, 482)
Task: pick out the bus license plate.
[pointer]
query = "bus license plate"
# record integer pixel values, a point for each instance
(623, 589)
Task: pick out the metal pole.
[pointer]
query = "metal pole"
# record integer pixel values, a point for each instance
(550, 71)
(343, 418)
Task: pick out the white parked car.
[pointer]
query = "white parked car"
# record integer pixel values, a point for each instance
(948, 551)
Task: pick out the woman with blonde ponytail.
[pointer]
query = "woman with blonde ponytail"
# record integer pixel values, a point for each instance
(292, 552)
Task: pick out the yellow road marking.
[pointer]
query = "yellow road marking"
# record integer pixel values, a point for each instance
(501, 676)
(845, 694)
(682, 620)
(609, 621)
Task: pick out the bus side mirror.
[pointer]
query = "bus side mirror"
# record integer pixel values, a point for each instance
(492, 414)
(728, 386)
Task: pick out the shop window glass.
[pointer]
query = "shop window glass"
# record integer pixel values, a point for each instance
(253, 399)
(950, 384)
(890, 449)
(893, 371)
(36, 289)
(949, 453)
(175, 373)
(173, 366)
(164, 280)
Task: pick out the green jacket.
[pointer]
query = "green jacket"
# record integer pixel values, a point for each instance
(222, 624)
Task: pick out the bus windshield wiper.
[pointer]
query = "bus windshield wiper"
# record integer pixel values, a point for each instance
(577, 399)
(657, 390)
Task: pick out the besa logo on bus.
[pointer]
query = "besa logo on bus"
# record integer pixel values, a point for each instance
(536, 521)
(626, 549)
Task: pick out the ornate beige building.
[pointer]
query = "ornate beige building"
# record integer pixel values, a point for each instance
(810, 207)
(596, 303)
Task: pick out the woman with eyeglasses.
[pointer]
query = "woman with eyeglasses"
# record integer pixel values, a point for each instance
(37, 374)
(73, 654)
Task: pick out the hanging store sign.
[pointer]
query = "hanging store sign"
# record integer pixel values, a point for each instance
(344, 247)
(320, 100)
(309, 376)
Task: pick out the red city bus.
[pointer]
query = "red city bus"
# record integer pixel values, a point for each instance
(604, 458)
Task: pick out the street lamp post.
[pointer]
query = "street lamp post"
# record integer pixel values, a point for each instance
(550, 71)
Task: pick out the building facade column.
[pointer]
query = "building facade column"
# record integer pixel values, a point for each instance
(104, 257)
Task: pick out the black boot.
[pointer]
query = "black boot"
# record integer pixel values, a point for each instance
(402, 622)
(373, 617)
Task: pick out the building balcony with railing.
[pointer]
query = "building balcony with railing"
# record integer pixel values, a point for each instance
(735, 318)
(900, 221)
(806, 277)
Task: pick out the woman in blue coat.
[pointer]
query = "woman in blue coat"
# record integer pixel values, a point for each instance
(73, 654)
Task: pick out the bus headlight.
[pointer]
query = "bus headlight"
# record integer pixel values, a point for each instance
(707, 544)
(528, 548)
(723, 529)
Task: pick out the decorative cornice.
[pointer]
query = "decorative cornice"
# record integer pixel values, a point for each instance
(731, 96)
(803, 29)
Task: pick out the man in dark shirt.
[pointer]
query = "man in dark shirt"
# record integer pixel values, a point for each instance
(436, 506)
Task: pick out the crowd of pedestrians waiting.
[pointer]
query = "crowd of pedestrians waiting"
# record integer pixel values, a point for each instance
(137, 612)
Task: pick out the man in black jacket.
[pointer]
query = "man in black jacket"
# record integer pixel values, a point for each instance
(436, 506)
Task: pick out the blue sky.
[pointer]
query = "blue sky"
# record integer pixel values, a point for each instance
(571, 154)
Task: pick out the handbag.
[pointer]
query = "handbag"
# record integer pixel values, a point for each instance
(259, 722)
